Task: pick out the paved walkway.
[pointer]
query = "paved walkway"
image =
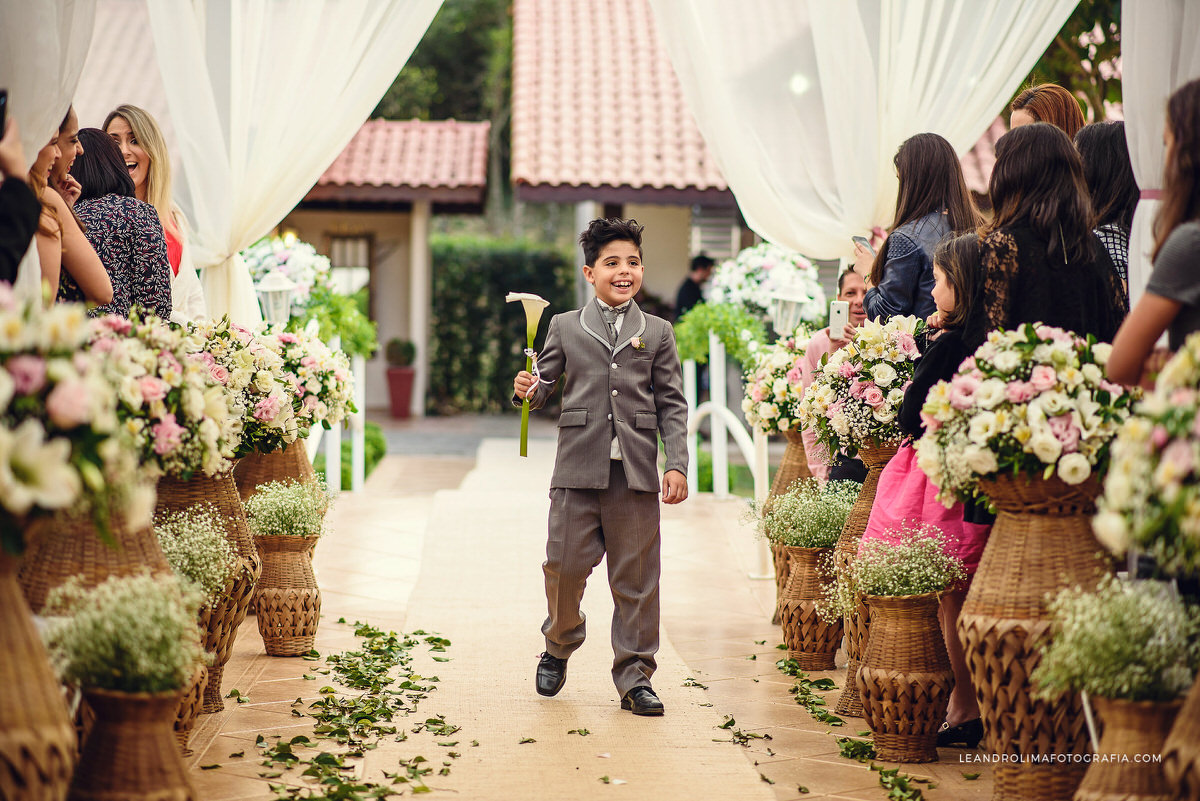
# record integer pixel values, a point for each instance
(453, 544)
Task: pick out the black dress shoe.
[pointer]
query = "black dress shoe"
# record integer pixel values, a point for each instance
(642, 701)
(551, 675)
(964, 735)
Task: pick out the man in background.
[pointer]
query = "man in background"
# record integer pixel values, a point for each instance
(690, 290)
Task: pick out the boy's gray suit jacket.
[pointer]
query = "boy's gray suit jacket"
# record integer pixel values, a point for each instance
(636, 391)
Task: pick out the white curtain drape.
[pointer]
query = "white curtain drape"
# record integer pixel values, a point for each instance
(264, 94)
(803, 103)
(42, 48)
(1159, 54)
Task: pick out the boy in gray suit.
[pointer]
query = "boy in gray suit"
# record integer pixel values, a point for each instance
(623, 388)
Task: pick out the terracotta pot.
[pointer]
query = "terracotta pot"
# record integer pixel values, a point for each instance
(858, 625)
(131, 752)
(905, 679)
(400, 388)
(1131, 729)
(811, 640)
(287, 601)
(37, 740)
(1181, 754)
(1042, 541)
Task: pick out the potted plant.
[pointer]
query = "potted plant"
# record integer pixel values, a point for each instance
(400, 354)
(852, 405)
(194, 543)
(905, 680)
(131, 645)
(286, 519)
(1133, 647)
(1026, 423)
(805, 522)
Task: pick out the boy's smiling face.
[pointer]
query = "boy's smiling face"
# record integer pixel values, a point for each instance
(617, 273)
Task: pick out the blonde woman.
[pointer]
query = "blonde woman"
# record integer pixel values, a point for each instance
(145, 152)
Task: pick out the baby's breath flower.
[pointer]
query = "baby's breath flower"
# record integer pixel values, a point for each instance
(291, 508)
(808, 515)
(196, 548)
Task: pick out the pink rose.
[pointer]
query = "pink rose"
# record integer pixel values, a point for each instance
(1159, 437)
(962, 391)
(758, 395)
(311, 402)
(168, 361)
(208, 359)
(1043, 378)
(929, 422)
(67, 405)
(104, 345)
(117, 324)
(968, 364)
(858, 388)
(847, 370)
(28, 373)
(907, 344)
(153, 389)
(309, 361)
(835, 409)
(794, 376)
(1019, 392)
(1179, 455)
(1116, 390)
(1065, 431)
(168, 434)
(218, 373)
(289, 339)
(267, 409)
(873, 397)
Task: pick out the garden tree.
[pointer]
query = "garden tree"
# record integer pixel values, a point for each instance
(1085, 56)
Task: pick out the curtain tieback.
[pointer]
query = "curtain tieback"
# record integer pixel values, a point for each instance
(1151, 194)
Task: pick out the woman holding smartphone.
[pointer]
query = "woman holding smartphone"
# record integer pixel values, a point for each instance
(932, 202)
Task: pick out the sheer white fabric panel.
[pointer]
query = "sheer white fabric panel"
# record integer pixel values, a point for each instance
(1158, 55)
(264, 94)
(803, 104)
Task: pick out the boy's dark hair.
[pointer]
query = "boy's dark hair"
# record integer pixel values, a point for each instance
(958, 257)
(702, 262)
(1108, 173)
(101, 169)
(600, 232)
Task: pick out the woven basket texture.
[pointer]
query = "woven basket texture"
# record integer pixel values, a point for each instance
(131, 752)
(779, 561)
(286, 463)
(1181, 754)
(858, 632)
(220, 622)
(905, 679)
(1042, 541)
(190, 705)
(793, 467)
(37, 740)
(287, 601)
(1131, 728)
(61, 546)
(812, 641)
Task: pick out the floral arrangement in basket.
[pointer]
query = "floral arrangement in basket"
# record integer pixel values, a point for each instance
(773, 384)
(288, 508)
(1151, 498)
(196, 547)
(170, 395)
(912, 561)
(298, 260)
(855, 396)
(749, 279)
(254, 374)
(318, 375)
(1034, 400)
(809, 515)
(1136, 641)
(134, 634)
(61, 444)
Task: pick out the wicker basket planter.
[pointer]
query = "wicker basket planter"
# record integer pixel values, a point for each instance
(812, 641)
(190, 704)
(794, 465)
(858, 625)
(1181, 754)
(219, 622)
(1042, 541)
(905, 678)
(1131, 728)
(63, 545)
(287, 600)
(287, 463)
(37, 740)
(131, 752)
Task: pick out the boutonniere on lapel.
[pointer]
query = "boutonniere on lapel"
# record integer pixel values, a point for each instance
(637, 344)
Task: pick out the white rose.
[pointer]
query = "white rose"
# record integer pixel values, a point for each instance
(983, 427)
(895, 397)
(884, 414)
(980, 461)
(1092, 373)
(884, 374)
(840, 425)
(1074, 468)
(1006, 361)
(1101, 351)
(1112, 532)
(263, 381)
(768, 411)
(130, 393)
(991, 393)
(1045, 446)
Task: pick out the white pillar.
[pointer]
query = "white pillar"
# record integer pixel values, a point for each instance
(691, 396)
(720, 444)
(333, 445)
(420, 300)
(358, 464)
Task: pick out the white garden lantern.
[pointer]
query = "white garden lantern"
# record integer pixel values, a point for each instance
(787, 304)
(275, 293)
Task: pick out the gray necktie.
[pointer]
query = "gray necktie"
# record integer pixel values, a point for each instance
(610, 318)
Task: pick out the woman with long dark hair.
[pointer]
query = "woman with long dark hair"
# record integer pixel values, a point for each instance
(1112, 186)
(931, 203)
(124, 231)
(1171, 302)
(1041, 261)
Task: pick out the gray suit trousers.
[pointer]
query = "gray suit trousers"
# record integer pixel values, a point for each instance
(586, 524)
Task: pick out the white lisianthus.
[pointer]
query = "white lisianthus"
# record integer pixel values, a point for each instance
(1006, 361)
(768, 411)
(1100, 352)
(884, 374)
(1045, 446)
(982, 428)
(1092, 374)
(1112, 532)
(1073, 468)
(980, 460)
(990, 393)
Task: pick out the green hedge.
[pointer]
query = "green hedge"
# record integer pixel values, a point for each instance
(477, 338)
(374, 449)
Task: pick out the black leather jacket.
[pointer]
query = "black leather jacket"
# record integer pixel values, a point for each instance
(907, 285)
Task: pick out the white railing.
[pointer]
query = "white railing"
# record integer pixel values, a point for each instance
(723, 423)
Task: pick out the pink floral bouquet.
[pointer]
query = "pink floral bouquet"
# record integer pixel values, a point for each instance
(170, 395)
(62, 447)
(1151, 499)
(855, 396)
(318, 376)
(1033, 401)
(263, 398)
(773, 388)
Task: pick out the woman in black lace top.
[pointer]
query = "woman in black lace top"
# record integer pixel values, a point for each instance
(1041, 261)
(125, 232)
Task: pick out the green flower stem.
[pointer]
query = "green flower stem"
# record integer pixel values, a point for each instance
(525, 408)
